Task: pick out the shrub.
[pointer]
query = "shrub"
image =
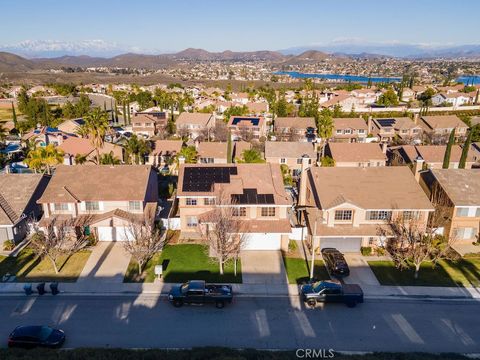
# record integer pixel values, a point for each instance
(366, 250)
(92, 240)
(8, 245)
(380, 251)
(292, 245)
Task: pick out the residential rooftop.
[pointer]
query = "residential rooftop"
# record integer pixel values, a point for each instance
(289, 149)
(461, 185)
(356, 152)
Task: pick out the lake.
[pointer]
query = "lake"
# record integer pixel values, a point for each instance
(465, 79)
(339, 77)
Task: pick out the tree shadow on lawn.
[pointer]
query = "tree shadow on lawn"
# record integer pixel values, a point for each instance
(469, 270)
(19, 266)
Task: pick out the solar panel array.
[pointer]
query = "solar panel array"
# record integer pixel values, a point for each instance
(250, 196)
(201, 179)
(253, 121)
(386, 122)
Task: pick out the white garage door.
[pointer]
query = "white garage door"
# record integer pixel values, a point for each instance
(345, 245)
(263, 242)
(108, 233)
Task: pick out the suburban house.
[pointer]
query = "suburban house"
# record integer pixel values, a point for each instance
(89, 195)
(452, 99)
(194, 124)
(295, 128)
(439, 127)
(216, 152)
(402, 127)
(346, 208)
(432, 155)
(349, 130)
(475, 152)
(357, 154)
(458, 192)
(71, 126)
(74, 146)
(147, 124)
(18, 203)
(45, 135)
(163, 152)
(246, 127)
(290, 153)
(256, 192)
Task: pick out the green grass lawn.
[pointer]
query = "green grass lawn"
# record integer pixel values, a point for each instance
(297, 270)
(464, 272)
(28, 268)
(184, 262)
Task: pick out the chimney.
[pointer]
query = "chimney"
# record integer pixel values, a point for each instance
(415, 118)
(369, 124)
(384, 147)
(418, 167)
(302, 193)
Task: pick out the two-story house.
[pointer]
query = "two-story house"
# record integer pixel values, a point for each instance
(349, 130)
(75, 146)
(290, 154)
(255, 191)
(347, 208)
(247, 127)
(357, 154)
(217, 152)
(432, 155)
(163, 152)
(194, 124)
(90, 195)
(295, 128)
(147, 124)
(439, 127)
(456, 192)
(402, 127)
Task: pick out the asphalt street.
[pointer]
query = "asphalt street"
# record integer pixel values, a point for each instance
(269, 323)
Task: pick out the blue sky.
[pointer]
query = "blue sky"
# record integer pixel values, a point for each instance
(170, 25)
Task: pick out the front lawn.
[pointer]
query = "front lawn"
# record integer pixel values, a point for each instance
(297, 270)
(184, 262)
(464, 272)
(28, 268)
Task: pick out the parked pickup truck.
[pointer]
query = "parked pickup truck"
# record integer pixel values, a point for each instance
(198, 292)
(327, 291)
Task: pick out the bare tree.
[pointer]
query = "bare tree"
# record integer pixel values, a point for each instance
(59, 238)
(245, 133)
(183, 132)
(223, 231)
(143, 239)
(412, 241)
(220, 131)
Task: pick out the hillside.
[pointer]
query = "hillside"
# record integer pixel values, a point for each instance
(14, 63)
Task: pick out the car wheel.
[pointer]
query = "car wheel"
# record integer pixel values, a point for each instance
(178, 303)
(311, 303)
(219, 304)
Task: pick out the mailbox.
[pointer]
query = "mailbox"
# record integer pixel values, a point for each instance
(158, 270)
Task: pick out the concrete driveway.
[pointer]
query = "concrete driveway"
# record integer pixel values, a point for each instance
(263, 267)
(360, 272)
(107, 263)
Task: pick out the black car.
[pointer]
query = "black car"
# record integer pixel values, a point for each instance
(36, 336)
(335, 262)
(330, 292)
(199, 292)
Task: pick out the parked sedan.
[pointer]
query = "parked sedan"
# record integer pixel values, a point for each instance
(36, 336)
(335, 262)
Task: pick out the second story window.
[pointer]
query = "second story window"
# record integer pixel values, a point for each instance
(92, 205)
(191, 201)
(283, 161)
(343, 215)
(239, 211)
(410, 215)
(134, 205)
(60, 206)
(462, 212)
(209, 201)
(379, 215)
(361, 131)
(268, 211)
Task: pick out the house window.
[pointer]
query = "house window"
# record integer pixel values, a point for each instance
(464, 233)
(462, 212)
(191, 201)
(343, 215)
(134, 205)
(379, 215)
(239, 211)
(361, 131)
(348, 131)
(209, 201)
(268, 211)
(371, 241)
(339, 132)
(207, 160)
(477, 214)
(92, 205)
(409, 215)
(283, 161)
(60, 206)
(192, 221)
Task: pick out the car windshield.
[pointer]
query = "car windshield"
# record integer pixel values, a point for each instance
(44, 333)
(317, 286)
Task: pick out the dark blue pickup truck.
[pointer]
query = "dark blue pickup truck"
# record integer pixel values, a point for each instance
(199, 292)
(330, 292)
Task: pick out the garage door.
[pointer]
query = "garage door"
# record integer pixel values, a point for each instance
(345, 245)
(263, 242)
(108, 233)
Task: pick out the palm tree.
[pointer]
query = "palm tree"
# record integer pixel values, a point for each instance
(136, 149)
(96, 122)
(189, 153)
(82, 131)
(109, 159)
(80, 159)
(44, 158)
(251, 156)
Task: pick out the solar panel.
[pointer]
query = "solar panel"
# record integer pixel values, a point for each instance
(386, 122)
(250, 196)
(253, 121)
(201, 179)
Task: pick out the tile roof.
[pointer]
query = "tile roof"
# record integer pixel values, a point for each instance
(443, 121)
(193, 118)
(289, 149)
(295, 122)
(349, 123)
(166, 147)
(356, 152)
(461, 185)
